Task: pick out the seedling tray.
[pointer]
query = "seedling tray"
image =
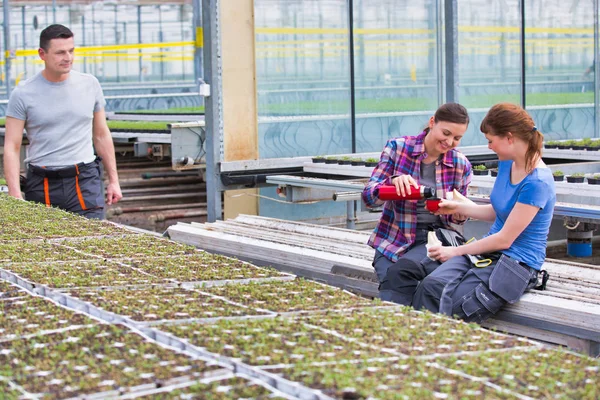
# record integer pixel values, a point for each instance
(81, 274)
(97, 359)
(36, 251)
(270, 341)
(156, 303)
(408, 378)
(233, 388)
(413, 333)
(537, 373)
(34, 315)
(129, 246)
(296, 295)
(201, 266)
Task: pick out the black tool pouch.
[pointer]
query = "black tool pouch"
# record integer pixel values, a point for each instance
(510, 279)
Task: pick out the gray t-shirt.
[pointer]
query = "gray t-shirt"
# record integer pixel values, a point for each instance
(58, 117)
(426, 178)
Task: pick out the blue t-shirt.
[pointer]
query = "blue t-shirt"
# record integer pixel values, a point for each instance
(537, 189)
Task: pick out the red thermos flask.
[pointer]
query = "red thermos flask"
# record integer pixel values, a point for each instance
(388, 192)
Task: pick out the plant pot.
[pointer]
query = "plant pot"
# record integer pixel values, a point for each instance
(494, 172)
(480, 172)
(559, 178)
(357, 163)
(578, 147)
(551, 146)
(344, 162)
(331, 161)
(318, 160)
(594, 181)
(370, 164)
(592, 148)
(563, 147)
(575, 179)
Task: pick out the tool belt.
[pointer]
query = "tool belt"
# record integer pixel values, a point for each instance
(66, 172)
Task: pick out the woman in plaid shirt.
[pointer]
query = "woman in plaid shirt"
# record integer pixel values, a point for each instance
(429, 159)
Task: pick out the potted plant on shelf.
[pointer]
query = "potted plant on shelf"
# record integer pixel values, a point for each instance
(318, 159)
(371, 162)
(552, 144)
(331, 160)
(480, 170)
(594, 179)
(577, 177)
(558, 175)
(594, 145)
(357, 161)
(564, 145)
(346, 160)
(494, 171)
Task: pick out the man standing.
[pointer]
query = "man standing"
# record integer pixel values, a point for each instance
(63, 113)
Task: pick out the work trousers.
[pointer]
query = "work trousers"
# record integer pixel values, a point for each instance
(458, 288)
(76, 188)
(399, 280)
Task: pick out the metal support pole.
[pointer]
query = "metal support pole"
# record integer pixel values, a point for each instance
(83, 42)
(199, 40)
(523, 59)
(451, 34)
(7, 52)
(24, 32)
(596, 69)
(117, 42)
(350, 215)
(214, 107)
(139, 33)
(352, 75)
(161, 39)
(439, 45)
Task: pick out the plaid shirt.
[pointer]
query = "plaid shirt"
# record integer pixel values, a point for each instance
(397, 227)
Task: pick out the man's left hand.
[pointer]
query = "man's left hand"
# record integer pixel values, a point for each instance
(113, 193)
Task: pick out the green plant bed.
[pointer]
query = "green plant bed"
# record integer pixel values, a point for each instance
(409, 332)
(226, 389)
(36, 251)
(81, 274)
(97, 359)
(271, 341)
(398, 379)
(417, 103)
(297, 295)
(27, 220)
(34, 315)
(138, 126)
(8, 392)
(8, 291)
(130, 246)
(174, 111)
(153, 304)
(200, 266)
(542, 373)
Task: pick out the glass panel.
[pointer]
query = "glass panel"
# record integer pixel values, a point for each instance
(489, 59)
(560, 84)
(396, 69)
(302, 67)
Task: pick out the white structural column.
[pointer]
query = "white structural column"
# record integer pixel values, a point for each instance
(240, 126)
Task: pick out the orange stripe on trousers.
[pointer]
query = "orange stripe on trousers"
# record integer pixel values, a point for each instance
(79, 195)
(46, 192)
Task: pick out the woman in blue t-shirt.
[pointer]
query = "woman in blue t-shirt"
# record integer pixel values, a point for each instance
(522, 204)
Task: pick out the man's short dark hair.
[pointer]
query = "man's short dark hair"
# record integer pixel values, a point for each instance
(55, 31)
